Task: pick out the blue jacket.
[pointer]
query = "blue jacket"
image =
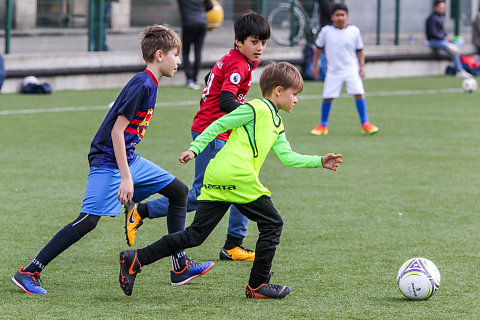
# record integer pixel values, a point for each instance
(434, 27)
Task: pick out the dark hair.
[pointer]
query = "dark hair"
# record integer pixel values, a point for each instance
(158, 37)
(251, 24)
(436, 2)
(339, 6)
(281, 74)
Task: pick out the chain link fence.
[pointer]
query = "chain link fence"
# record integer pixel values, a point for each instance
(62, 25)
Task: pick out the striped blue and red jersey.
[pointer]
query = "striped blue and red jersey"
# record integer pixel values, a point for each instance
(136, 102)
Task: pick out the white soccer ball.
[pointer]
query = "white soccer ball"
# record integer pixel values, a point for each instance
(469, 85)
(418, 279)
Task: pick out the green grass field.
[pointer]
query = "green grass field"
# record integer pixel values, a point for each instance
(411, 190)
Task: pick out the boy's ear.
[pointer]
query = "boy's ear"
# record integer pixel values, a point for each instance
(159, 55)
(238, 43)
(278, 90)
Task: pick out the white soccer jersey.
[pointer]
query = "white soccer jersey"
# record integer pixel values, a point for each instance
(341, 46)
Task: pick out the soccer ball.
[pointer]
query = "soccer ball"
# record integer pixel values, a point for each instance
(469, 85)
(418, 279)
(215, 16)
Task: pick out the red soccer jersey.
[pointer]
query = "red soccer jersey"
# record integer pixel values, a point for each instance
(233, 73)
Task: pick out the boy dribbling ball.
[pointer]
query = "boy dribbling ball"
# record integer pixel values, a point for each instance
(232, 178)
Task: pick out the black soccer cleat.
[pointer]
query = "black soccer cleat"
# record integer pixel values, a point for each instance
(129, 267)
(267, 291)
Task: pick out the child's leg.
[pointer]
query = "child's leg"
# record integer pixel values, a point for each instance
(270, 225)
(361, 105)
(64, 238)
(326, 106)
(207, 216)
(176, 192)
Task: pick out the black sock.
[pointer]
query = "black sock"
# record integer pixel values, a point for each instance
(232, 242)
(61, 241)
(179, 260)
(142, 210)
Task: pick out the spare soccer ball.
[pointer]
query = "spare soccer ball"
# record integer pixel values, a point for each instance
(469, 85)
(418, 279)
(215, 15)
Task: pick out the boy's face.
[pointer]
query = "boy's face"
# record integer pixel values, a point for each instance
(252, 48)
(339, 19)
(169, 62)
(287, 98)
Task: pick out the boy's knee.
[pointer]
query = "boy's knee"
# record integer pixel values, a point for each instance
(85, 223)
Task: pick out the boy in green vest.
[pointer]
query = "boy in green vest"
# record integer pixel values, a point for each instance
(232, 178)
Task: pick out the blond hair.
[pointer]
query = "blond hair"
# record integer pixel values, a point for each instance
(281, 74)
(158, 37)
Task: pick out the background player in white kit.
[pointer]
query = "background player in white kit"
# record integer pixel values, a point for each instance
(343, 47)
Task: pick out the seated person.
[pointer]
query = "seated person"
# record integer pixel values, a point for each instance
(437, 38)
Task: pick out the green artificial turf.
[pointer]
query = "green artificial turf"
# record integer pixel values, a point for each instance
(410, 190)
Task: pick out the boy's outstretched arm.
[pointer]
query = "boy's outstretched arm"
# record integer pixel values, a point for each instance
(331, 161)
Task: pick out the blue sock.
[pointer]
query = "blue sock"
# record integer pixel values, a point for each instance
(176, 222)
(326, 106)
(362, 110)
(61, 241)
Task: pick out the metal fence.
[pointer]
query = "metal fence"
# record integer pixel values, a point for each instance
(68, 24)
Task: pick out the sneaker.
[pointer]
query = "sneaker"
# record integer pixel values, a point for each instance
(192, 85)
(191, 271)
(320, 130)
(267, 291)
(369, 128)
(453, 49)
(28, 281)
(133, 221)
(237, 254)
(129, 267)
(463, 74)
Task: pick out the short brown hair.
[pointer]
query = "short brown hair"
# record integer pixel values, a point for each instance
(281, 74)
(157, 37)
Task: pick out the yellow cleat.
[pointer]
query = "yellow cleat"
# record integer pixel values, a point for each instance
(320, 130)
(237, 254)
(132, 222)
(369, 128)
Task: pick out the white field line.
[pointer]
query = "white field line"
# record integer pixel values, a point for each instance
(196, 102)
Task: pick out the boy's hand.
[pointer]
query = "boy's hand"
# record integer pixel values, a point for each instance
(125, 191)
(186, 156)
(331, 161)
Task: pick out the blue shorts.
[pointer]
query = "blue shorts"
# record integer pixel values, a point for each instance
(103, 183)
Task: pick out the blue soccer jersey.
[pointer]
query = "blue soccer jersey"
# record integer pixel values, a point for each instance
(136, 102)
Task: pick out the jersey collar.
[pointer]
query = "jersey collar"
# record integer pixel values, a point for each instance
(152, 76)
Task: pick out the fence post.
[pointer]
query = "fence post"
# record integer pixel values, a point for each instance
(457, 16)
(100, 26)
(264, 8)
(8, 25)
(397, 21)
(379, 18)
(90, 25)
(292, 23)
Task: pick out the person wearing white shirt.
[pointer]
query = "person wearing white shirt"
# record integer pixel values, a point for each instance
(343, 46)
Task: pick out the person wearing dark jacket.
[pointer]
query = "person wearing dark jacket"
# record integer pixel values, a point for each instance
(438, 39)
(194, 29)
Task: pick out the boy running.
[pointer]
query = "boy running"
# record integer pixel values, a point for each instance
(232, 178)
(343, 46)
(226, 88)
(118, 175)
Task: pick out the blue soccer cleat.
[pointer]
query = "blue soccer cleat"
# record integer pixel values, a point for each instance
(28, 281)
(192, 270)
